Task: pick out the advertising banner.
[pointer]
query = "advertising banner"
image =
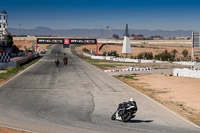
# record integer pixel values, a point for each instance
(50, 41)
(196, 39)
(65, 41)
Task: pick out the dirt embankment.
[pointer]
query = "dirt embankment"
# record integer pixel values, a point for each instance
(180, 94)
(155, 49)
(29, 44)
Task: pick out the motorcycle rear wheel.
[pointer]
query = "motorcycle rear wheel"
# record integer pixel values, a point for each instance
(127, 117)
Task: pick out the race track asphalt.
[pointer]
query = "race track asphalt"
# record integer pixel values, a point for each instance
(78, 98)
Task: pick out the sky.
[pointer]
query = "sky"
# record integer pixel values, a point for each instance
(97, 14)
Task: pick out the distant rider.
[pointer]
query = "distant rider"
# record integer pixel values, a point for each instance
(65, 60)
(131, 102)
(57, 62)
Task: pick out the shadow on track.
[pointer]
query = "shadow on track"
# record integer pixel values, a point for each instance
(140, 121)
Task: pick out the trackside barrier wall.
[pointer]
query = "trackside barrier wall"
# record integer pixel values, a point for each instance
(4, 57)
(112, 58)
(185, 72)
(3, 66)
(19, 62)
(87, 55)
(185, 63)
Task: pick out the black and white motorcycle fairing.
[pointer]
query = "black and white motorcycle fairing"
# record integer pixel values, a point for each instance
(125, 111)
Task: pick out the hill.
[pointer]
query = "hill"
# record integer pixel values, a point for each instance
(97, 33)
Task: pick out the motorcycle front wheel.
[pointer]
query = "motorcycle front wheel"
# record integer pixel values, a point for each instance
(126, 117)
(113, 116)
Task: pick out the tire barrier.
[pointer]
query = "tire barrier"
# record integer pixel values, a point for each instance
(130, 69)
(4, 57)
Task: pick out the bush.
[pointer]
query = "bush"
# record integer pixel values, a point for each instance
(104, 53)
(110, 53)
(197, 59)
(11, 69)
(184, 53)
(128, 77)
(85, 50)
(164, 56)
(145, 55)
(120, 75)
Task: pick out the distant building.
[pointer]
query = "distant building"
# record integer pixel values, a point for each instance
(183, 38)
(137, 37)
(156, 38)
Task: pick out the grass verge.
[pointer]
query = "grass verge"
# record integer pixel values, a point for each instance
(49, 49)
(11, 71)
(102, 64)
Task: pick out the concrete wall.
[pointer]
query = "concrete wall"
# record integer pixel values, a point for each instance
(187, 63)
(112, 58)
(87, 55)
(185, 72)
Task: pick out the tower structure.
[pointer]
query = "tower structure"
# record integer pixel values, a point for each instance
(3, 30)
(126, 49)
(3, 22)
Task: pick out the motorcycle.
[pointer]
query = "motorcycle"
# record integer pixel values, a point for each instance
(57, 62)
(65, 60)
(125, 111)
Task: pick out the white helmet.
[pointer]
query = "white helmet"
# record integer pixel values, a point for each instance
(132, 99)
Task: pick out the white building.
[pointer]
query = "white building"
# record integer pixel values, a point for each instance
(3, 22)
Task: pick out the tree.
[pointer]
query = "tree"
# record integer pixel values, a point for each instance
(9, 41)
(116, 36)
(15, 49)
(145, 55)
(174, 52)
(140, 35)
(164, 56)
(133, 35)
(185, 53)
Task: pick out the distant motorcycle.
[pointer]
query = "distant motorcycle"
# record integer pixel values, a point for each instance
(57, 62)
(125, 111)
(65, 60)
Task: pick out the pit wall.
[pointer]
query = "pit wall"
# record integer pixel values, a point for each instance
(185, 72)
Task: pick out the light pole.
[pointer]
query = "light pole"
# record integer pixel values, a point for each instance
(20, 32)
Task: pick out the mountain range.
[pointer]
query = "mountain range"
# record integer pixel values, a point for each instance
(97, 33)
